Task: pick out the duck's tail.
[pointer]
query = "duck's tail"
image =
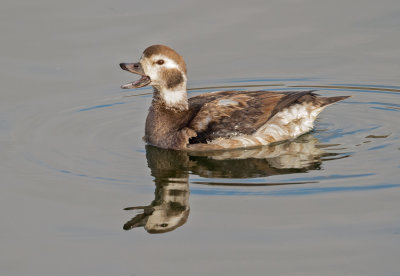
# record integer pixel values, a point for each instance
(330, 100)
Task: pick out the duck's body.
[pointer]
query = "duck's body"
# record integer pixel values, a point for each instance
(219, 120)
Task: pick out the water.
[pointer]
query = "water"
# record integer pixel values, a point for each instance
(73, 158)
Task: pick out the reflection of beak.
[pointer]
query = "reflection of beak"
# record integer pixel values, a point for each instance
(139, 220)
(135, 68)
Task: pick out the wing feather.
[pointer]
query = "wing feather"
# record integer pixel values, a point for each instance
(231, 113)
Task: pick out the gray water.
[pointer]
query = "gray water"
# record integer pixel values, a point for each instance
(72, 157)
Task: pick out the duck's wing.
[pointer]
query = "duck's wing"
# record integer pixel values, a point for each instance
(231, 113)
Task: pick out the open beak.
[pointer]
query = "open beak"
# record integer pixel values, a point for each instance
(135, 68)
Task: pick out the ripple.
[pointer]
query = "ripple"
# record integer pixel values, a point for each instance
(100, 140)
(293, 192)
(99, 106)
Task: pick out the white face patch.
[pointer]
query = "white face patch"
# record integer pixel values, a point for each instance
(168, 63)
(152, 69)
(172, 97)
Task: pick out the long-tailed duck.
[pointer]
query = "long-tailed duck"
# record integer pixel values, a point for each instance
(217, 120)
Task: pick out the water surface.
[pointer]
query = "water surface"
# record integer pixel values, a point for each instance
(73, 157)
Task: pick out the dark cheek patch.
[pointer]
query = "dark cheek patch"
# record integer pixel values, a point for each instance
(174, 77)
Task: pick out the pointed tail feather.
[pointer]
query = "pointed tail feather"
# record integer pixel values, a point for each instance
(330, 100)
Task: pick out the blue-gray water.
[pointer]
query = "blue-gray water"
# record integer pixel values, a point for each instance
(72, 157)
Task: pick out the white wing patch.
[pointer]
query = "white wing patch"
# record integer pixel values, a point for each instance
(225, 102)
(202, 124)
(287, 124)
(290, 122)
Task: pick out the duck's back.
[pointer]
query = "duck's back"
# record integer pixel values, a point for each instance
(234, 119)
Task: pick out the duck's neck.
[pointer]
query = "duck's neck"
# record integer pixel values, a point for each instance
(174, 98)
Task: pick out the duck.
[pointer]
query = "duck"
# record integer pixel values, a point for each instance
(218, 120)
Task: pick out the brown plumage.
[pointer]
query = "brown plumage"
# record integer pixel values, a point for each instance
(219, 120)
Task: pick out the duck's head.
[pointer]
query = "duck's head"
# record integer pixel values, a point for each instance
(161, 67)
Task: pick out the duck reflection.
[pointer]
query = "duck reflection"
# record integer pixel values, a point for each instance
(170, 208)
(170, 169)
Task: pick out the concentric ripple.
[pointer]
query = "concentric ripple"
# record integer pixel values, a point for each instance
(355, 144)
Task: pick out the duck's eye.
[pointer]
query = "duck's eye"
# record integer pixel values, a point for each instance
(160, 62)
(164, 225)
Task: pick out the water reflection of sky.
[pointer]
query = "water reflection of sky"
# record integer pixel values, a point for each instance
(290, 191)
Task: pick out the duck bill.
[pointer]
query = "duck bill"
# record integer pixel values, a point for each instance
(135, 68)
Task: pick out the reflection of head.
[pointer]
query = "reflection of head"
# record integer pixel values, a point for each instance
(168, 219)
(169, 210)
